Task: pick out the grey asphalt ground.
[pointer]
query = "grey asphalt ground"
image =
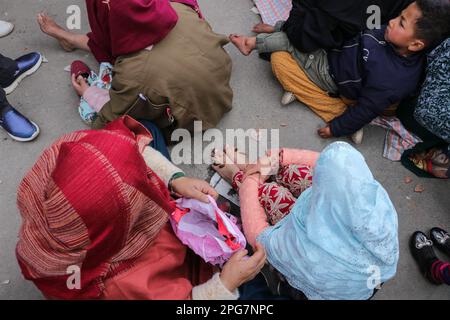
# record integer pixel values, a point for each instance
(48, 99)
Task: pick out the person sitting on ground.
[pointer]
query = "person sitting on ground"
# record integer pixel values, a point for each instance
(12, 72)
(161, 49)
(327, 242)
(350, 86)
(428, 117)
(98, 201)
(434, 269)
(337, 21)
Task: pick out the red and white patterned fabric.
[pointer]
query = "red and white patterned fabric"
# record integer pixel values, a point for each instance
(277, 198)
(397, 139)
(296, 178)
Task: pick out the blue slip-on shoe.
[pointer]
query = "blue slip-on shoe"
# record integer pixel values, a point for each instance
(17, 126)
(27, 65)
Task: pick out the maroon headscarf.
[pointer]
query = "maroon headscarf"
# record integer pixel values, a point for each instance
(120, 27)
(90, 201)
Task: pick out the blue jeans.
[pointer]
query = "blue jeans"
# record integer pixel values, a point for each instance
(158, 142)
(257, 289)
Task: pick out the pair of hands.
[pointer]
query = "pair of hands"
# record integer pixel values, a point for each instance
(266, 166)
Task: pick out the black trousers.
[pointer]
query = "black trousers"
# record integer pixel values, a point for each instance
(8, 68)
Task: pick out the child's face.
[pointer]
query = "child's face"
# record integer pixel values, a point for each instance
(401, 30)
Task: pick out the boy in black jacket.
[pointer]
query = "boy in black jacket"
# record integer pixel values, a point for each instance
(376, 69)
(327, 24)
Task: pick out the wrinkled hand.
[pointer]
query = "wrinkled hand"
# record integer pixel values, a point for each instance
(241, 268)
(266, 166)
(79, 84)
(194, 189)
(325, 132)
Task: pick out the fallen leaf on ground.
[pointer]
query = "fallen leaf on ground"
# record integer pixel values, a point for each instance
(283, 124)
(408, 180)
(419, 188)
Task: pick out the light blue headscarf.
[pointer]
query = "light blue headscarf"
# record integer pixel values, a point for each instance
(340, 238)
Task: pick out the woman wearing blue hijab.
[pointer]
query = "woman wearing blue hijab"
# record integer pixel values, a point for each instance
(340, 239)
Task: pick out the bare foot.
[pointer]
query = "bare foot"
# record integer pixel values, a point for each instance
(224, 166)
(238, 158)
(244, 44)
(263, 28)
(50, 27)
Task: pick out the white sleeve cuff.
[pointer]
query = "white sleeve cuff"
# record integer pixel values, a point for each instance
(213, 289)
(163, 168)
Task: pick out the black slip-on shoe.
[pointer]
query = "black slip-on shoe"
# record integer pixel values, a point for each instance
(441, 239)
(422, 250)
